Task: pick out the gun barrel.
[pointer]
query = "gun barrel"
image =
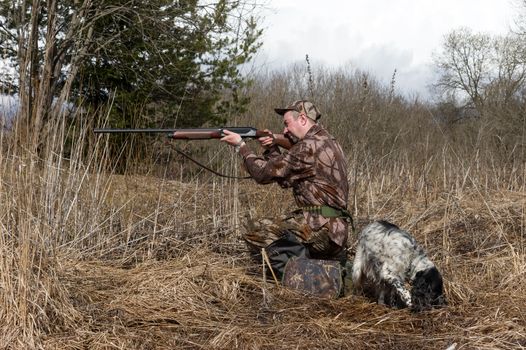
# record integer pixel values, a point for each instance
(187, 133)
(135, 131)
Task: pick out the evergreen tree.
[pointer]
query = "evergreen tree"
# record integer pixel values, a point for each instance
(168, 63)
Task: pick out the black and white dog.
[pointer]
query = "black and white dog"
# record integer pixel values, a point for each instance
(386, 259)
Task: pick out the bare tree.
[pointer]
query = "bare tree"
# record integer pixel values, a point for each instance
(43, 46)
(508, 70)
(481, 69)
(465, 65)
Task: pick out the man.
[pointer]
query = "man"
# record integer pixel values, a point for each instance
(316, 170)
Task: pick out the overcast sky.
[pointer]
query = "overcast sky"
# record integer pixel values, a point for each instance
(375, 35)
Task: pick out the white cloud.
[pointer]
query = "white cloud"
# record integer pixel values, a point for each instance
(375, 35)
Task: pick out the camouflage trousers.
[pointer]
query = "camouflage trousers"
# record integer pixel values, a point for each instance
(263, 232)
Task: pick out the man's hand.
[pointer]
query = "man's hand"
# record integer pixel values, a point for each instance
(275, 139)
(232, 138)
(267, 141)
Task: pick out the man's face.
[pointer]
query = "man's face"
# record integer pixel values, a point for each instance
(293, 127)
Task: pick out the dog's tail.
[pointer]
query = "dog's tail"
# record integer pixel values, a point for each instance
(358, 268)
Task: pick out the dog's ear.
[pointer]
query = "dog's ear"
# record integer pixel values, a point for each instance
(419, 293)
(427, 290)
(434, 280)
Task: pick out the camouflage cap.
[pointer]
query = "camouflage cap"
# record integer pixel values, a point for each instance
(301, 106)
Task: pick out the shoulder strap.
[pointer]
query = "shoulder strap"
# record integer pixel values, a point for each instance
(207, 168)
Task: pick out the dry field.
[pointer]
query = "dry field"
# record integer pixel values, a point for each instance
(93, 256)
(91, 260)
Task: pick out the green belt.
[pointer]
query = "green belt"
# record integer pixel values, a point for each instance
(329, 212)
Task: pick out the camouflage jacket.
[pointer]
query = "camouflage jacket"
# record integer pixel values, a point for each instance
(315, 168)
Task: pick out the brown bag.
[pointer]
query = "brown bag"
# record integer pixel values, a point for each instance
(322, 278)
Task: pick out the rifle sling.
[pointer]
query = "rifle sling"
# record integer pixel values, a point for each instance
(207, 168)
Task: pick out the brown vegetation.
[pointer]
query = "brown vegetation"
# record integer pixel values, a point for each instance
(153, 259)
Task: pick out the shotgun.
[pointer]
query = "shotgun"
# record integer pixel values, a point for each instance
(203, 133)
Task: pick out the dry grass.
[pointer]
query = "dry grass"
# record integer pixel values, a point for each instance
(94, 260)
(198, 292)
(91, 260)
(181, 279)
